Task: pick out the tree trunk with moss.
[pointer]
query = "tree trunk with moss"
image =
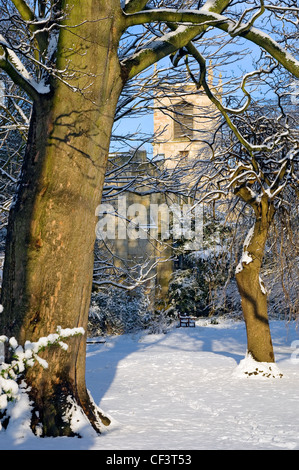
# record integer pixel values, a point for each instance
(51, 234)
(252, 291)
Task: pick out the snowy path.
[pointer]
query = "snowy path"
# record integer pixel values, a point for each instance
(177, 391)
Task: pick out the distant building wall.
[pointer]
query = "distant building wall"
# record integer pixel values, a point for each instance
(182, 125)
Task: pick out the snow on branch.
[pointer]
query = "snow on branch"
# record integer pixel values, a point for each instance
(203, 18)
(131, 6)
(10, 62)
(239, 28)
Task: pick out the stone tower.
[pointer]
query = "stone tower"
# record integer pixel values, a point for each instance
(184, 120)
(183, 124)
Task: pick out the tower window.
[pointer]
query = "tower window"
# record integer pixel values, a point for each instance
(184, 153)
(182, 121)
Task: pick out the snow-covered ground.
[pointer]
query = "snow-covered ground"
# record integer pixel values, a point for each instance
(185, 390)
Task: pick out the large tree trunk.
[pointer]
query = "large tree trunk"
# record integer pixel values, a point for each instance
(51, 233)
(251, 289)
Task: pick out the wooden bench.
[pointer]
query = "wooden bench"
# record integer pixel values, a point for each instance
(186, 321)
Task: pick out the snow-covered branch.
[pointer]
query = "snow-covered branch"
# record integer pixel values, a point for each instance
(12, 65)
(202, 18)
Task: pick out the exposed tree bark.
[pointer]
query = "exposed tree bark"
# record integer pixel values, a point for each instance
(51, 233)
(253, 293)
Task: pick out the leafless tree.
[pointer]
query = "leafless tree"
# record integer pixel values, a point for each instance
(262, 176)
(65, 57)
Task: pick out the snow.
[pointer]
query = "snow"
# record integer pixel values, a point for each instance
(191, 388)
(262, 286)
(209, 5)
(249, 367)
(40, 87)
(246, 259)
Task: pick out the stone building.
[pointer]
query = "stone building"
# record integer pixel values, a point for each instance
(130, 223)
(183, 123)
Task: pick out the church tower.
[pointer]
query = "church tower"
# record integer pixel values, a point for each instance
(184, 121)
